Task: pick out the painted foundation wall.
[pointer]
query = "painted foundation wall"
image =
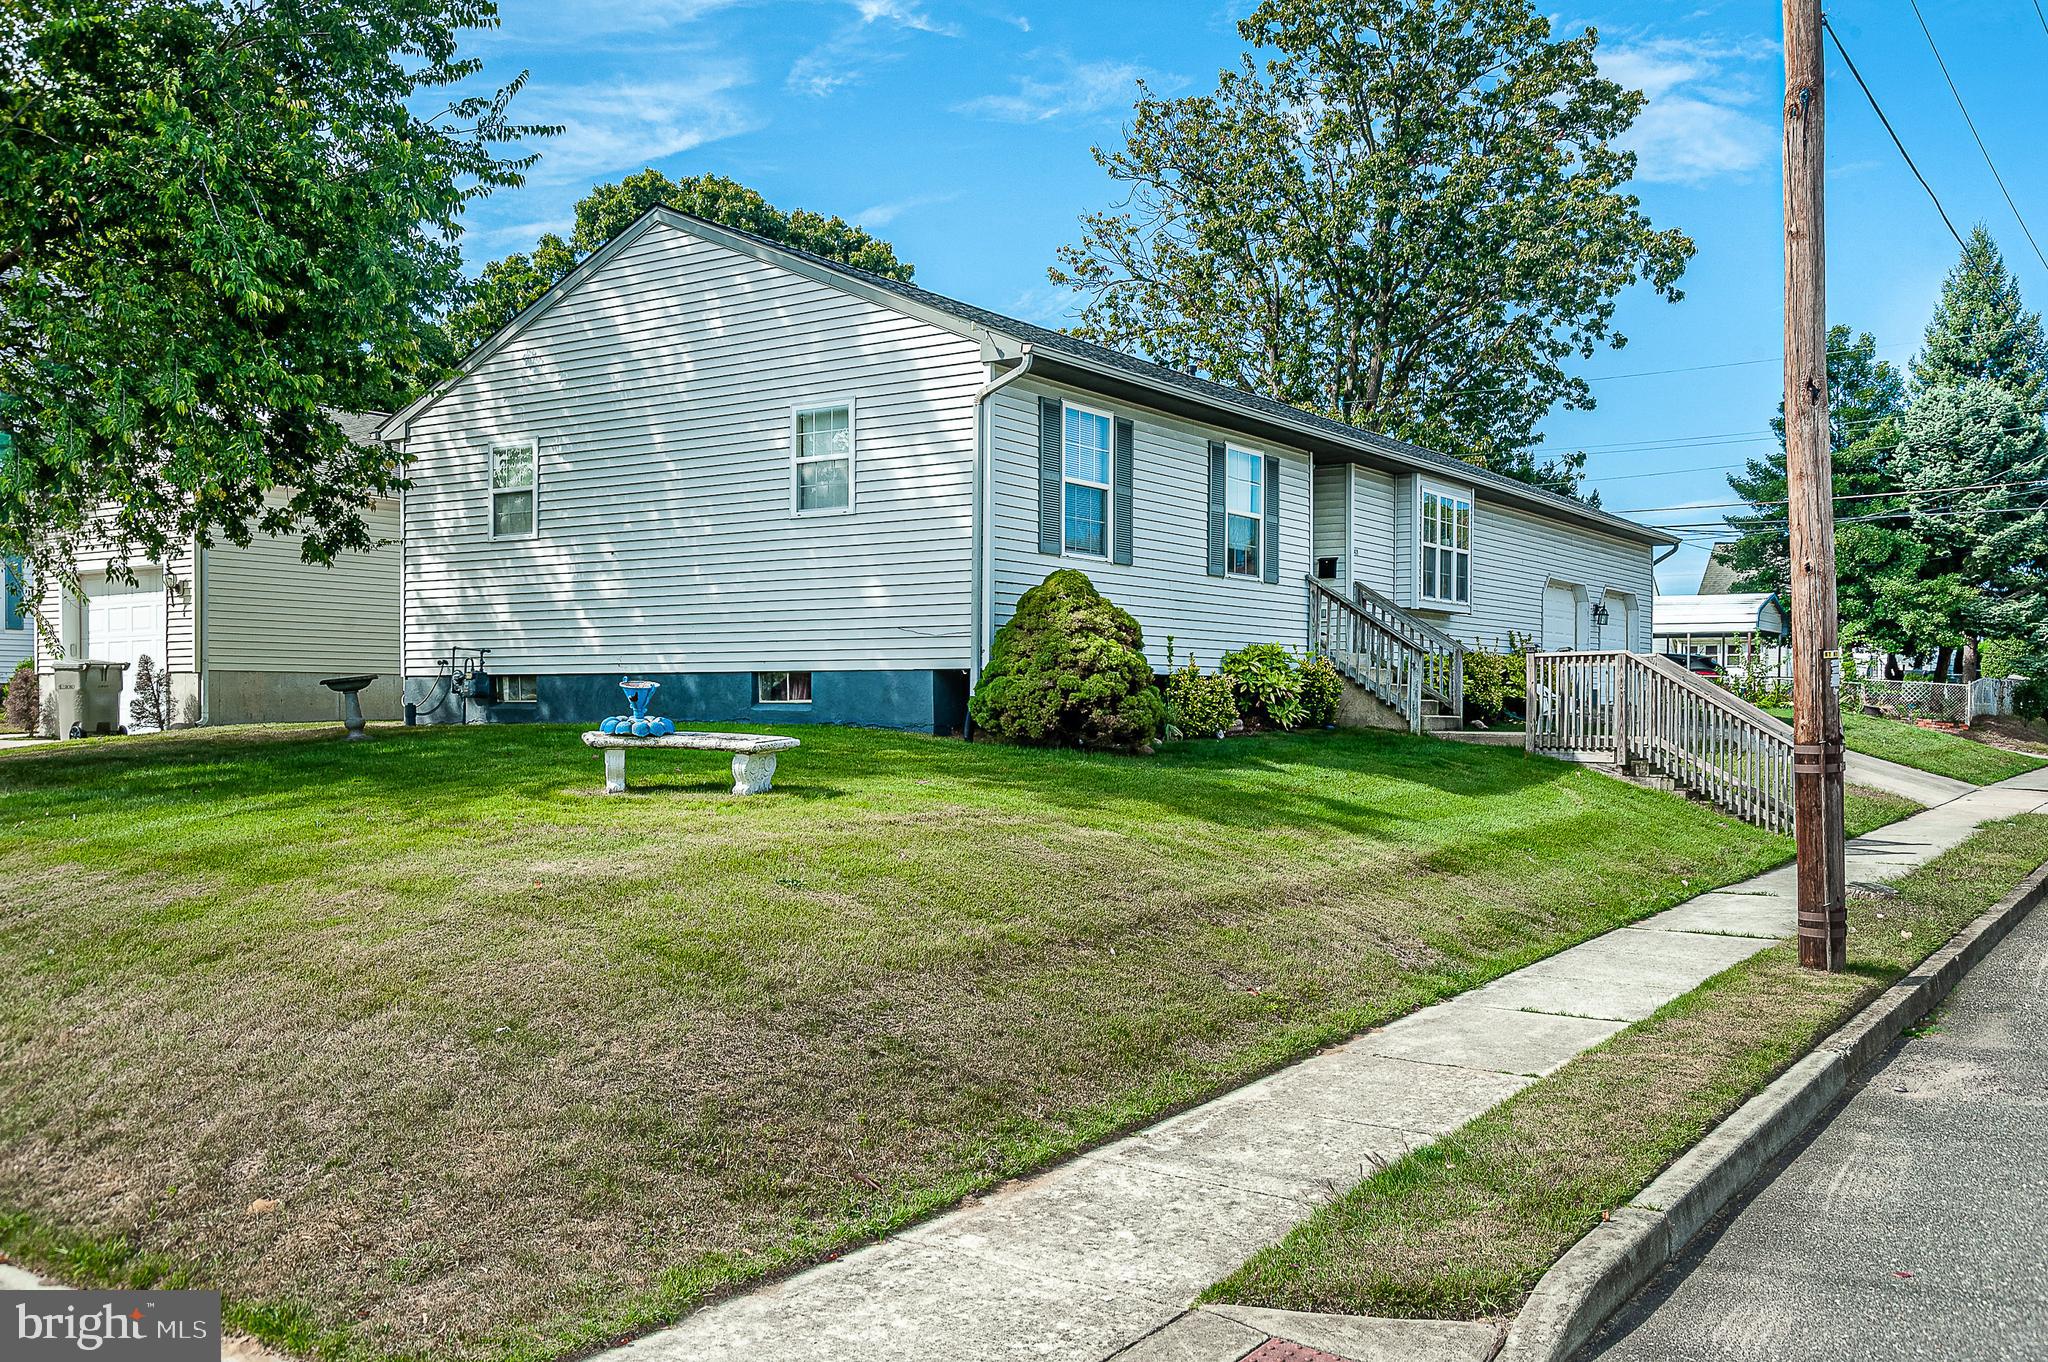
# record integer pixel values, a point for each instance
(914, 701)
(265, 697)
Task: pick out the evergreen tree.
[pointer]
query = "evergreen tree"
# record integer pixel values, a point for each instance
(1979, 435)
(1981, 330)
(1866, 396)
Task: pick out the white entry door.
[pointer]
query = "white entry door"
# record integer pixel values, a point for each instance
(1561, 618)
(122, 623)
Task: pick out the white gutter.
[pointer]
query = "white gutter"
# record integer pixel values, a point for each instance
(983, 592)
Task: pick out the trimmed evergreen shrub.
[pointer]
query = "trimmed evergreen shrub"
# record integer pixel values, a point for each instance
(1069, 669)
(1198, 704)
(1322, 688)
(1268, 684)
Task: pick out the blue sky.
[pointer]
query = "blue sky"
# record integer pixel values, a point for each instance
(960, 131)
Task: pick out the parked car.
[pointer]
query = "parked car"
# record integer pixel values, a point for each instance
(1698, 665)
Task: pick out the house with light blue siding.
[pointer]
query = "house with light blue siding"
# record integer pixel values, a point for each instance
(792, 491)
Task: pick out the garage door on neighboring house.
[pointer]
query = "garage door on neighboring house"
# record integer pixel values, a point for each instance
(1620, 621)
(122, 623)
(1561, 618)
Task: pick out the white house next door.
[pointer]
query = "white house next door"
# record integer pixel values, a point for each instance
(122, 623)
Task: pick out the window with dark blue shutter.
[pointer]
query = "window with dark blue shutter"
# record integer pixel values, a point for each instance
(1218, 531)
(1272, 544)
(16, 613)
(1126, 456)
(1051, 439)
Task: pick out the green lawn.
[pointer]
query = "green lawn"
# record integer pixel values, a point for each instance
(1930, 749)
(1464, 1228)
(525, 1068)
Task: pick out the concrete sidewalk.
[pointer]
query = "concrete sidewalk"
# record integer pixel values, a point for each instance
(1099, 1257)
(1913, 1222)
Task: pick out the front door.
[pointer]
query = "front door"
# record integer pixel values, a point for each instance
(124, 623)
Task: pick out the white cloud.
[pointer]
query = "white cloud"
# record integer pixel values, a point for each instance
(1076, 90)
(903, 15)
(622, 125)
(1049, 305)
(1701, 121)
(882, 214)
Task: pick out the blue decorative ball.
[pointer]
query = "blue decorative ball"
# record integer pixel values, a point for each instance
(608, 725)
(641, 728)
(664, 727)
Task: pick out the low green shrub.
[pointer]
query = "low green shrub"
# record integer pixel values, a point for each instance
(1496, 685)
(1069, 670)
(22, 703)
(1268, 683)
(1200, 704)
(1322, 688)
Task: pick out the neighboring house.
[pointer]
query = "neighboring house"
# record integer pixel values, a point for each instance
(17, 625)
(790, 491)
(1727, 628)
(245, 633)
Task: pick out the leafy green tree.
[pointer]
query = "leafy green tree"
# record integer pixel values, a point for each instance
(507, 287)
(222, 221)
(1982, 330)
(1866, 397)
(1975, 458)
(1409, 217)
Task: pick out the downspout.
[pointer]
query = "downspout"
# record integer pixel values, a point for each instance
(982, 593)
(199, 626)
(1650, 623)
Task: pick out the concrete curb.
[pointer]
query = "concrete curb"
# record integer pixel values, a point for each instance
(1607, 1267)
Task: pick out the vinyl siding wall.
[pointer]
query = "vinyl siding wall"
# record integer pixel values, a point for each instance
(1514, 555)
(1167, 586)
(269, 610)
(1333, 518)
(660, 393)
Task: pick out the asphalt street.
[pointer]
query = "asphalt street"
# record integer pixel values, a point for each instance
(1911, 1223)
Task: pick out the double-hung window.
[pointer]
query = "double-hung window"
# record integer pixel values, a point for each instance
(515, 480)
(1244, 512)
(1446, 567)
(822, 447)
(1085, 493)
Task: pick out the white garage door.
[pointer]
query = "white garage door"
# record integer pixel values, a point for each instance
(124, 622)
(1560, 618)
(1616, 632)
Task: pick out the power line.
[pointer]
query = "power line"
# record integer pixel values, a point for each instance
(1879, 111)
(2039, 15)
(1971, 123)
(1724, 364)
(1857, 496)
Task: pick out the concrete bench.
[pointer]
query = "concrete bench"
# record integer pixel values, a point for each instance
(753, 761)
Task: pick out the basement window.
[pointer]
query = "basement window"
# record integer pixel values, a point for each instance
(782, 688)
(516, 690)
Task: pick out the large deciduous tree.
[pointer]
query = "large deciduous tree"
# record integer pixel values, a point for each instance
(1409, 216)
(504, 288)
(223, 220)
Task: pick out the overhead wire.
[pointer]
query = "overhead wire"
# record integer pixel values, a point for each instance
(1971, 124)
(1878, 109)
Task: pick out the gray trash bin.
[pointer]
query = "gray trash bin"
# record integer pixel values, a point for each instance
(88, 697)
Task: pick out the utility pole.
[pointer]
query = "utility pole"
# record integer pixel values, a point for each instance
(1809, 469)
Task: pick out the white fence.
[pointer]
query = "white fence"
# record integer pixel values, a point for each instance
(1954, 702)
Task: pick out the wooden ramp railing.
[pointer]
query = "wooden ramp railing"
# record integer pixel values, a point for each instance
(1643, 712)
(1389, 654)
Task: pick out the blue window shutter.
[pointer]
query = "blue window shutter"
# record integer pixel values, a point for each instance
(1052, 535)
(17, 609)
(1121, 479)
(1216, 472)
(1272, 544)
